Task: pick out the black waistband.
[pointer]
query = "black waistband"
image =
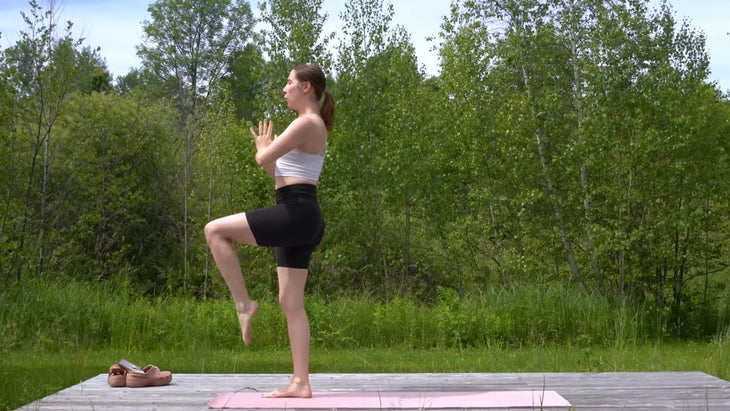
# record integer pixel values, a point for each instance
(303, 191)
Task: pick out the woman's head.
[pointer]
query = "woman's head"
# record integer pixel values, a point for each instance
(309, 73)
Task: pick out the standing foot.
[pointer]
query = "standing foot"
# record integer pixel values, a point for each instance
(245, 315)
(297, 389)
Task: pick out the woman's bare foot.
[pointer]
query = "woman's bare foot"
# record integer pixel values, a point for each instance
(297, 389)
(245, 315)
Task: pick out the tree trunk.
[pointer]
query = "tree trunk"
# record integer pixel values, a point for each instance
(551, 190)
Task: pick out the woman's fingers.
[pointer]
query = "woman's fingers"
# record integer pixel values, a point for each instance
(265, 129)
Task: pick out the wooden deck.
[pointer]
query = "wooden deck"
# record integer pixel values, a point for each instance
(682, 391)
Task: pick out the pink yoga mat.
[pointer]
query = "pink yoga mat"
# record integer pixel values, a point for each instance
(395, 400)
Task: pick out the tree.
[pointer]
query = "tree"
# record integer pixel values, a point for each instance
(661, 119)
(477, 158)
(93, 74)
(42, 71)
(292, 35)
(373, 155)
(115, 214)
(575, 109)
(8, 179)
(247, 82)
(188, 44)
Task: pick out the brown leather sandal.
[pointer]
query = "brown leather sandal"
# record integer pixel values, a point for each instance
(151, 377)
(117, 376)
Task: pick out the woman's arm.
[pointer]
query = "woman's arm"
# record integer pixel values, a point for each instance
(269, 149)
(269, 169)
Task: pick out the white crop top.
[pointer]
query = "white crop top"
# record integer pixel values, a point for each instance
(298, 163)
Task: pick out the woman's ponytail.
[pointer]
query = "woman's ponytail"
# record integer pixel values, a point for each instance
(328, 110)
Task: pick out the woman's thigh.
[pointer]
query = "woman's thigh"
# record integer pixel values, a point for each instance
(233, 227)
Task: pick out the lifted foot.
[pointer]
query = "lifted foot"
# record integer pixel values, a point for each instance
(245, 315)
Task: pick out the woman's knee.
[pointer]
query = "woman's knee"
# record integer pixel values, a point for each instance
(292, 282)
(233, 228)
(291, 304)
(211, 230)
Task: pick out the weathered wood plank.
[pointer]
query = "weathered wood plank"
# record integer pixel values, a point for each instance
(640, 391)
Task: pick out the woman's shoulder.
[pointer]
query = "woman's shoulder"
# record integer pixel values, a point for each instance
(313, 118)
(312, 121)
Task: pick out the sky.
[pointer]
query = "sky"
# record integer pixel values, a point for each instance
(116, 27)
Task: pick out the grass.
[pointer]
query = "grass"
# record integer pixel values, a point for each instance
(54, 335)
(79, 316)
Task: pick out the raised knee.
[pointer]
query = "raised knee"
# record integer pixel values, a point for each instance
(210, 231)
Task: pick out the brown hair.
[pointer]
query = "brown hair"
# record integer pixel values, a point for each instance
(314, 75)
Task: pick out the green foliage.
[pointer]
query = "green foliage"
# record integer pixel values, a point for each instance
(41, 71)
(292, 35)
(245, 80)
(295, 34)
(188, 43)
(117, 167)
(573, 146)
(588, 153)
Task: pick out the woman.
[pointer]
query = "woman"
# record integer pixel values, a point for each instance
(294, 225)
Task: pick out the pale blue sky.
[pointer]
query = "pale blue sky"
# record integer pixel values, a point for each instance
(116, 27)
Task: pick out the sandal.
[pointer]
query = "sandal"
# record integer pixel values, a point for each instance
(152, 377)
(117, 376)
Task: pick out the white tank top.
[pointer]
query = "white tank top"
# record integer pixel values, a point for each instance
(298, 163)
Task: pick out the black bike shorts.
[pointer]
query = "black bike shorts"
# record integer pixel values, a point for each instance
(294, 226)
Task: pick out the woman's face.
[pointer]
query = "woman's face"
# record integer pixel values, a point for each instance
(293, 91)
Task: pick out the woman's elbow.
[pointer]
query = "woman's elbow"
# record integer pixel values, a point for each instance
(260, 160)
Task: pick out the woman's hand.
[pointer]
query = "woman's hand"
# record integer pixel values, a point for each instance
(264, 137)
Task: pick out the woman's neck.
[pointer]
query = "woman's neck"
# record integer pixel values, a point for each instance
(308, 109)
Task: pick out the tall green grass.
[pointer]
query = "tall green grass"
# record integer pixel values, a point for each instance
(80, 316)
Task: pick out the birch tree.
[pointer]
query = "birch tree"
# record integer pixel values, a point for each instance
(42, 74)
(187, 46)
